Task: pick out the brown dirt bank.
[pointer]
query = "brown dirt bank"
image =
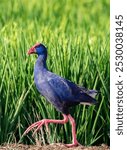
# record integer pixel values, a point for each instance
(51, 147)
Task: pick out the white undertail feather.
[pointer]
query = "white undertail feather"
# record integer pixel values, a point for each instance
(85, 103)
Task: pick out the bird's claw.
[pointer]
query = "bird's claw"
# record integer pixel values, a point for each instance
(36, 124)
(38, 127)
(72, 145)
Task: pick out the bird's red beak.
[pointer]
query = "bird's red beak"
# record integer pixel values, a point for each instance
(32, 50)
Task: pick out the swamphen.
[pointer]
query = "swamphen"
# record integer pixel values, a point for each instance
(60, 92)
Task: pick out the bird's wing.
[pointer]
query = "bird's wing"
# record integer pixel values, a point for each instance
(61, 87)
(68, 91)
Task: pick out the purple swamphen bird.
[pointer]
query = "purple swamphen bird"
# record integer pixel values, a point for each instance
(60, 92)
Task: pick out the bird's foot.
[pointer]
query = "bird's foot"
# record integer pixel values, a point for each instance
(37, 124)
(75, 143)
(46, 122)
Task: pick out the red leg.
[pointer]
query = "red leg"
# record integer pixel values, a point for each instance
(45, 121)
(74, 139)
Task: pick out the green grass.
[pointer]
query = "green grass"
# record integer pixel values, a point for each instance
(77, 36)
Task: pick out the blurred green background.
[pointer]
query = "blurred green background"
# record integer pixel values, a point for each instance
(76, 34)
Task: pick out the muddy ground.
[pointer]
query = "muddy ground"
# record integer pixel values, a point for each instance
(51, 147)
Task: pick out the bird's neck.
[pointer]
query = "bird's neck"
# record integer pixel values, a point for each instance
(41, 62)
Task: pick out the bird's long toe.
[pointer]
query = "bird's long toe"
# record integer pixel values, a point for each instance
(72, 144)
(36, 124)
(38, 127)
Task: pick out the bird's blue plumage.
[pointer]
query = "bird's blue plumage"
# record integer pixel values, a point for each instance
(60, 92)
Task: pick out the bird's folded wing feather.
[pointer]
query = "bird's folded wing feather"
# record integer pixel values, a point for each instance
(67, 90)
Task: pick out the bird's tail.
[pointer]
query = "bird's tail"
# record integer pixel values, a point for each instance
(92, 100)
(92, 93)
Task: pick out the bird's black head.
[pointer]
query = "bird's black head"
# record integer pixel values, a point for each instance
(38, 49)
